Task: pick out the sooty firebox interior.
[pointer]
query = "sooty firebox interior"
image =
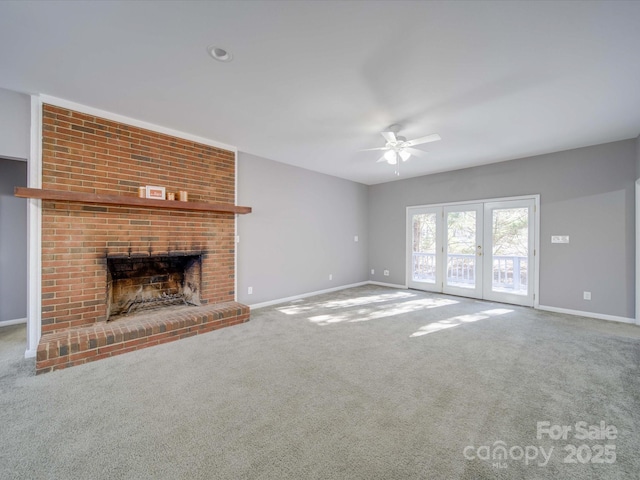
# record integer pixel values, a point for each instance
(143, 283)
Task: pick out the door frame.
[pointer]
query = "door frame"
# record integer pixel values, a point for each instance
(536, 234)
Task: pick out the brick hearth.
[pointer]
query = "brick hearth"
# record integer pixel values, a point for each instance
(81, 345)
(87, 154)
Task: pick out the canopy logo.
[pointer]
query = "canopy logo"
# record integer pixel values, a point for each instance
(499, 454)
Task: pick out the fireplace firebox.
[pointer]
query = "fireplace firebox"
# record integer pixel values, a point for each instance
(137, 284)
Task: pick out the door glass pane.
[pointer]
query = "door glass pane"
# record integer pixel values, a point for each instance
(510, 250)
(461, 249)
(423, 259)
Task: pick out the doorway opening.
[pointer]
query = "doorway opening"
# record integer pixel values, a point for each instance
(13, 243)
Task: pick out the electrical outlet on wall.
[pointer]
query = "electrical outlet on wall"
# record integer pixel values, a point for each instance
(586, 295)
(373, 272)
(250, 290)
(386, 273)
(331, 276)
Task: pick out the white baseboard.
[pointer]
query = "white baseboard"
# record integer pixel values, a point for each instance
(599, 316)
(304, 295)
(390, 285)
(16, 321)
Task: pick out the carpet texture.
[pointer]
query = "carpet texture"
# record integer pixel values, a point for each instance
(365, 383)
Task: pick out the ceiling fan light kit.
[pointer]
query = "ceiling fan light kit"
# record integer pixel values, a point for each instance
(399, 147)
(391, 157)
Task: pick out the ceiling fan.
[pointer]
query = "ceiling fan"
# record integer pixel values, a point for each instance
(399, 149)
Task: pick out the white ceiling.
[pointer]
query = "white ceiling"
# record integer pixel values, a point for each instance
(314, 82)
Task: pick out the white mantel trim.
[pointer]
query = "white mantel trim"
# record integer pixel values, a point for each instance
(34, 232)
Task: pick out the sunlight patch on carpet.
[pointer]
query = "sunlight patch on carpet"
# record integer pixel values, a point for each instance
(301, 306)
(459, 320)
(391, 310)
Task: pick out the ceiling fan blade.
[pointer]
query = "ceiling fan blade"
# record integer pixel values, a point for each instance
(389, 136)
(381, 159)
(416, 152)
(434, 137)
(377, 148)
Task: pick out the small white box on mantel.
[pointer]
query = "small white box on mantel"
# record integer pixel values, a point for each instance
(155, 192)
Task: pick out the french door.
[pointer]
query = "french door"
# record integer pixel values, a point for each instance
(462, 250)
(480, 250)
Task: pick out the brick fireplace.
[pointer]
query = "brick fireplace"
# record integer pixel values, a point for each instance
(81, 241)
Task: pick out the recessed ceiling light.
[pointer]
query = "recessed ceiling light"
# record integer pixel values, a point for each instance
(219, 54)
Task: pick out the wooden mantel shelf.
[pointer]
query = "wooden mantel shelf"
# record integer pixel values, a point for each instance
(124, 201)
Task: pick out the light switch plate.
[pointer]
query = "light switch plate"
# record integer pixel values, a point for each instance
(559, 238)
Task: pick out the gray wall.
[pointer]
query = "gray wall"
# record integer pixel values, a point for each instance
(13, 245)
(301, 230)
(15, 119)
(587, 193)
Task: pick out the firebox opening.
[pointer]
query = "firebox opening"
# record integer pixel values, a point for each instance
(142, 283)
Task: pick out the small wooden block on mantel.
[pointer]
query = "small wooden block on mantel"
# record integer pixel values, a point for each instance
(124, 201)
